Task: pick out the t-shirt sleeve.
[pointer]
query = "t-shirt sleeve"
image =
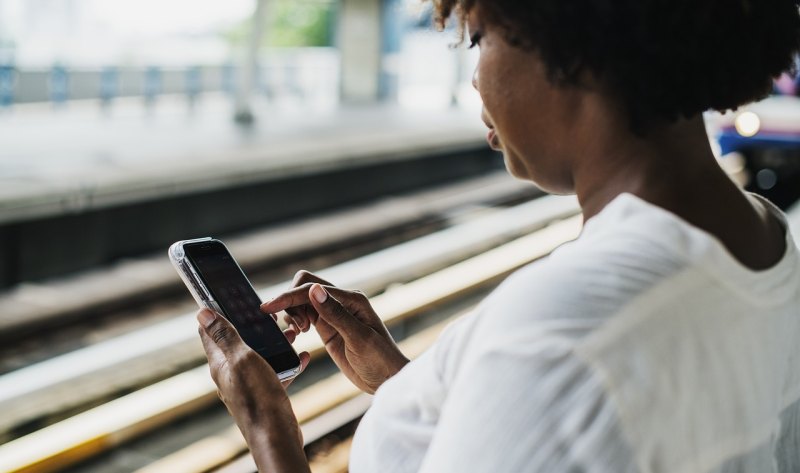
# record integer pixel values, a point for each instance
(527, 407)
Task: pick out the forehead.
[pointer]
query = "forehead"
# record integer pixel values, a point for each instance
(476, 12)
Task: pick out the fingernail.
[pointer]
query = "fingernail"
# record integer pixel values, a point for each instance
(295, 324)
(206, 318)
(319, 293)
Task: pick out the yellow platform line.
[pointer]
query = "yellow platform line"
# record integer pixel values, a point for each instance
(309, 403)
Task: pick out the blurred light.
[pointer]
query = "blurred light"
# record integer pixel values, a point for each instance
(735, 166)
(785, 84)
(733, 163)
(748, 124)
(766, 179)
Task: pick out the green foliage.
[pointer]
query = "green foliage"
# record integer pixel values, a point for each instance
(292, 23)
(301, 23)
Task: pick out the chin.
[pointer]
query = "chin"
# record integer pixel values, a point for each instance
(515, 168)
(548, 184)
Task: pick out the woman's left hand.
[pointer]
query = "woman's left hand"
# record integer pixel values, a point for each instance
(254, 396)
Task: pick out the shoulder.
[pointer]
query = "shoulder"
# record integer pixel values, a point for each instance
(556, 302)
(588, 280)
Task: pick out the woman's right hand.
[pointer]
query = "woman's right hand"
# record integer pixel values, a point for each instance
(353, 334)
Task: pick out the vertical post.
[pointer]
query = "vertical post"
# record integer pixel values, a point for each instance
(392, 28)
(458, 76)
(152, 84)
(229, 79)
(193, 83)
(359, 41)
(7, 80)
(109, 85)
(243, 113)
(59, 84)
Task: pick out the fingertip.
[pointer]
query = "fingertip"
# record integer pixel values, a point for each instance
(318, 293)
(290, 334)
(305, 359)
(206, 317)
(266, 304)
(295, 322)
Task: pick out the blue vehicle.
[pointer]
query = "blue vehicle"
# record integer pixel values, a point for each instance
(767, 135)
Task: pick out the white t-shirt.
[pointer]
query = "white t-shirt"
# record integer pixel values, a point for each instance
(642, 346)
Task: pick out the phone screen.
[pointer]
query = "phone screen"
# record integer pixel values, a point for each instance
(240, 304)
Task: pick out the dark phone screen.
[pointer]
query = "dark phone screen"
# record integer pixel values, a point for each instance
(240, 304)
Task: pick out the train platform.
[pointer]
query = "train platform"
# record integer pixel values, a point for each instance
(83, 187)
(81, 156)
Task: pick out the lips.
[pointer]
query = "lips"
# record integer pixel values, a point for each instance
(494, 141)
(491, 136)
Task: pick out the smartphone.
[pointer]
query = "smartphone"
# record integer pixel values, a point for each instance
(217, 282)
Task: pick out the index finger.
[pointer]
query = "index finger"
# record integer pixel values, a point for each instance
(303, 276)
(299, 296)
(291, 298)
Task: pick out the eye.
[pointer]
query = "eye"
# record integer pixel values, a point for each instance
(475, 40)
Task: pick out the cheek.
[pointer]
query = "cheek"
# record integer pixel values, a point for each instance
(521, 104)
(506, 89)
(495, 90)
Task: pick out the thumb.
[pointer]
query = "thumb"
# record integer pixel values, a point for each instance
(334, 313)
(219, 331)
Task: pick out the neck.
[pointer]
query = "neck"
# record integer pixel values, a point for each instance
(663, 168)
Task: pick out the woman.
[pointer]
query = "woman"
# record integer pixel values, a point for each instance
(665, 338)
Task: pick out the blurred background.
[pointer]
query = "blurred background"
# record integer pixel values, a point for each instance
(339, 136)
(103, 104)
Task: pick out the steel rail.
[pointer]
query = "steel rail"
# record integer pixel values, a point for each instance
(33, 306)
(164, 348)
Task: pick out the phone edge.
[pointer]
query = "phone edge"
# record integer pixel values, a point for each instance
(189, 281)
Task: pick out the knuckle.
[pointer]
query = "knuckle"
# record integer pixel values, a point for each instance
(301, 276)
(306, 286)
(340, 312)
(220, 333)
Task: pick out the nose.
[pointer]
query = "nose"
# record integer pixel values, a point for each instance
(475, 79)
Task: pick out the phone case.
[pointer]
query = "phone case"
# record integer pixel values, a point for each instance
(197, 288)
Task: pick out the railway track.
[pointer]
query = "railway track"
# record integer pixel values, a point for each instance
(31, 307)
(132, 294)
(147, 354)
(144, 381)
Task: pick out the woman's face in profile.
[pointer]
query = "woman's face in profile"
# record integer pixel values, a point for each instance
(529, 116)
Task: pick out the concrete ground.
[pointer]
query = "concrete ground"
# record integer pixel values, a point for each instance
(81, 157)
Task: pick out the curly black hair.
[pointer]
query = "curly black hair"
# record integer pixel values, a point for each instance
(664, 59)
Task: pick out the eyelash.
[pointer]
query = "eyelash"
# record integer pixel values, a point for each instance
(475, 39)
